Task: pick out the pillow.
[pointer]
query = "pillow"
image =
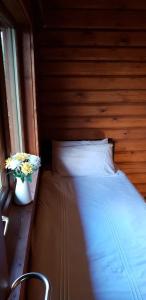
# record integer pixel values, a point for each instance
(83, 160)
(78, 143)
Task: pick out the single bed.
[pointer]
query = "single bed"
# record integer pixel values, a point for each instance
(90, 238)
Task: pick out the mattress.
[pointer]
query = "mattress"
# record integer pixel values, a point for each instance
(89, 238)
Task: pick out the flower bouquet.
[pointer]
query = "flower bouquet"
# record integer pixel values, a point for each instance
(23, 165)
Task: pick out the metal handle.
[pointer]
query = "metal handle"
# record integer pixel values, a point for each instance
(6, 220)
(34, 275)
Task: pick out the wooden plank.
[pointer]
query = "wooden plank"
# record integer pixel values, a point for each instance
(90, 38)
(128, 145)
(100, 4)
(29, 94)
(103, 19)
(87, 97)
(141, 188)
(130, 156)
(137, 178)
(92, 54)
(92, 133)
(132, 168)
(94, 110)
(92, 122)
(91, 83)
(91, 68)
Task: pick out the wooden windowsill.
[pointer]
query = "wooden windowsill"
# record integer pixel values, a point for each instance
(18, 237)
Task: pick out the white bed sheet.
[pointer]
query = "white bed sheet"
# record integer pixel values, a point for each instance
(90, 238)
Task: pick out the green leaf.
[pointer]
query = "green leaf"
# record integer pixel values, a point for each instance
(29, 178)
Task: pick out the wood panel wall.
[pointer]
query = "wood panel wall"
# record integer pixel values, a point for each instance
(91, 62)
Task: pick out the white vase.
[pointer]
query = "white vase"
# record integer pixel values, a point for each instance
(22, 192)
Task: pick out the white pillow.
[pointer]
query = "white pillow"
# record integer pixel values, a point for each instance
(78, 143)
(83, 160)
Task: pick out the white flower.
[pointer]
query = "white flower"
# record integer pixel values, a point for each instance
(35, 161)
(14, 164)
(22, 156)
(22, 165)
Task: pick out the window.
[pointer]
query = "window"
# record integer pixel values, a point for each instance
(1, 153)
(4, 133)
(11, 135)
(13, 94)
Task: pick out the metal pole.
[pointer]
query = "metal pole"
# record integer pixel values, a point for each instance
(34, 275)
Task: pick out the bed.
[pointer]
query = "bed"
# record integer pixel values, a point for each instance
(90, 236)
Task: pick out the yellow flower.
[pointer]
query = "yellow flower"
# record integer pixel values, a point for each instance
(26, 168)
(21, 156)
(8, 163)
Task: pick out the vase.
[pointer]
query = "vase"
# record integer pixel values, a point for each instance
(22, 192)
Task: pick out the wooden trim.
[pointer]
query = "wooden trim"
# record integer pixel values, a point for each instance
(26, 58)
(5, 17)
(16, 12)
(30, 117)
(26, 8)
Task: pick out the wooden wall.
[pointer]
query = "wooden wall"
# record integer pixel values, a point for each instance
(91, 63)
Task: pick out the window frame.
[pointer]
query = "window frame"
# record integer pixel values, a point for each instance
(13, 89)
(4, 133)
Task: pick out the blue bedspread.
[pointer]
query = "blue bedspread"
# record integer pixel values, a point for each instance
(93, 238)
